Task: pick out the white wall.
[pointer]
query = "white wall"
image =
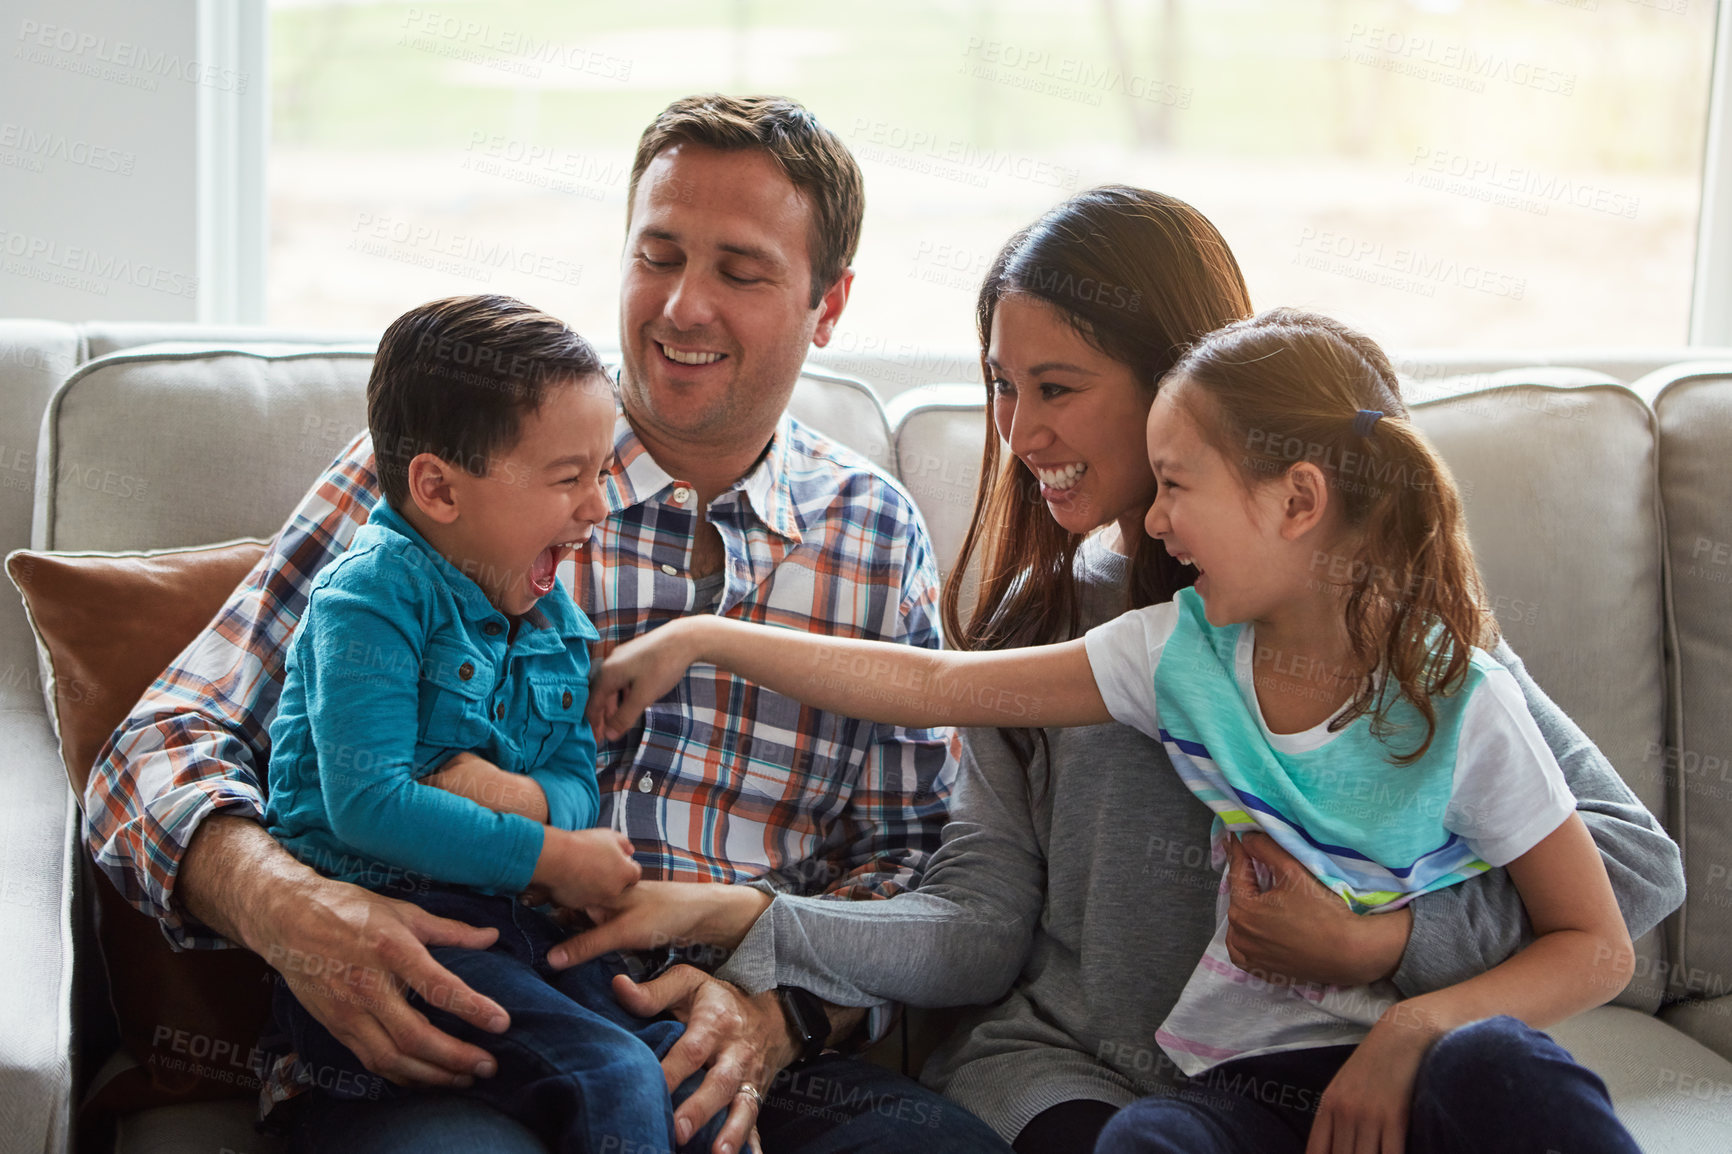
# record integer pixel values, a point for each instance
(103, 107)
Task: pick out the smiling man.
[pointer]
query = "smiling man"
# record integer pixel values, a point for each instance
(743, 217)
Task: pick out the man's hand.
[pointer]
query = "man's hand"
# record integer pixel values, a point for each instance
(742, 1040)
(348, 959)
(1298, 929)
(654, 915)
(346, 952)
(474, 777)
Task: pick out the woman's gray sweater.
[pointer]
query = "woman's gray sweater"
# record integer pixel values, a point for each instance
(1069, 906)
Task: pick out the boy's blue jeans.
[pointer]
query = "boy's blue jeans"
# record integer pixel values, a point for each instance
(574, 1067)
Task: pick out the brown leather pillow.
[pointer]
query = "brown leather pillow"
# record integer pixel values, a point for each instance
(111, 622)
(108, 625)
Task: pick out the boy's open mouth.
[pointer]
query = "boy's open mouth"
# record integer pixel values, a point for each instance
(541, 573)
(546, 561)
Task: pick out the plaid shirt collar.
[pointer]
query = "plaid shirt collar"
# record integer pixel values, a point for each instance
(637, 478)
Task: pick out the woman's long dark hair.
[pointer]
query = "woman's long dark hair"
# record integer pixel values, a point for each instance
(1140, 276)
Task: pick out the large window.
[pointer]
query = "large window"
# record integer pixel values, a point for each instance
(1441, 172)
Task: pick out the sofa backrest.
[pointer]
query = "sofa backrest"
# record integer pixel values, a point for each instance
(939, 436)
(1557, 469)
(1572, 561)
(104, 338)
(1571, 557)
(1693, 405)
(894, 367)
(1565, 474)
(35, 356)
(846, 410)
(170, 445)
(182, 444)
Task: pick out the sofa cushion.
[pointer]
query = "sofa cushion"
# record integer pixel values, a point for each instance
(1673, 1094)
(1693, 404)
(211, 1128)
(940, 434)
(846, 410)
(108, 625)
(1572, 562)
(894, 367)
(38, 830)
(103, 338)
(179, 445)
(1707, 1020)
(1562, 498)
(175, 444)
(1557, 470)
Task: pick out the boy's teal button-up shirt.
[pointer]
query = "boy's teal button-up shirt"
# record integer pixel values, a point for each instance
(400, 662)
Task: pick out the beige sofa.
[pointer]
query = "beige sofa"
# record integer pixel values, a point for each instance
(1600, 500)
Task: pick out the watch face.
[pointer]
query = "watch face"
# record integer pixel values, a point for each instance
(807, 1020)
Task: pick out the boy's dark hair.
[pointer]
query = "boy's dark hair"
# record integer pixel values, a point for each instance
(452, 377)
(813, 158)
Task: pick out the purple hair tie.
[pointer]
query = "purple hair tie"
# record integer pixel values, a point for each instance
(1366, 421)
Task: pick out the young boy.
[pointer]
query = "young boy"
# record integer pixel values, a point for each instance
(441, 631)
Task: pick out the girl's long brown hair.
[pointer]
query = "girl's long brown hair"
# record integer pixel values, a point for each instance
(1286, 387)
(1140, 276)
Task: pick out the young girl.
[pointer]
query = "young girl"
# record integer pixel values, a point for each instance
(1325, 682)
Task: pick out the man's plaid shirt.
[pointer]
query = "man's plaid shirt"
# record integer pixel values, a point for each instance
(723, 781)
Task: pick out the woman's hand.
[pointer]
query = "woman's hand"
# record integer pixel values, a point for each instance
(1300, 930)
(472, 776)
(1367, 1104)
(639, 673)
(654, 915)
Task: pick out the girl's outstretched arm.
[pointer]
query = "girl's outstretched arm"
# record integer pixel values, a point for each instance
(874, 680)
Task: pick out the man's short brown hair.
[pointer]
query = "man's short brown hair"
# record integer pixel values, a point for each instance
(812, 157)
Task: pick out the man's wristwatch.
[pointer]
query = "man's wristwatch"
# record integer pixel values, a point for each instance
(808, 1022)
